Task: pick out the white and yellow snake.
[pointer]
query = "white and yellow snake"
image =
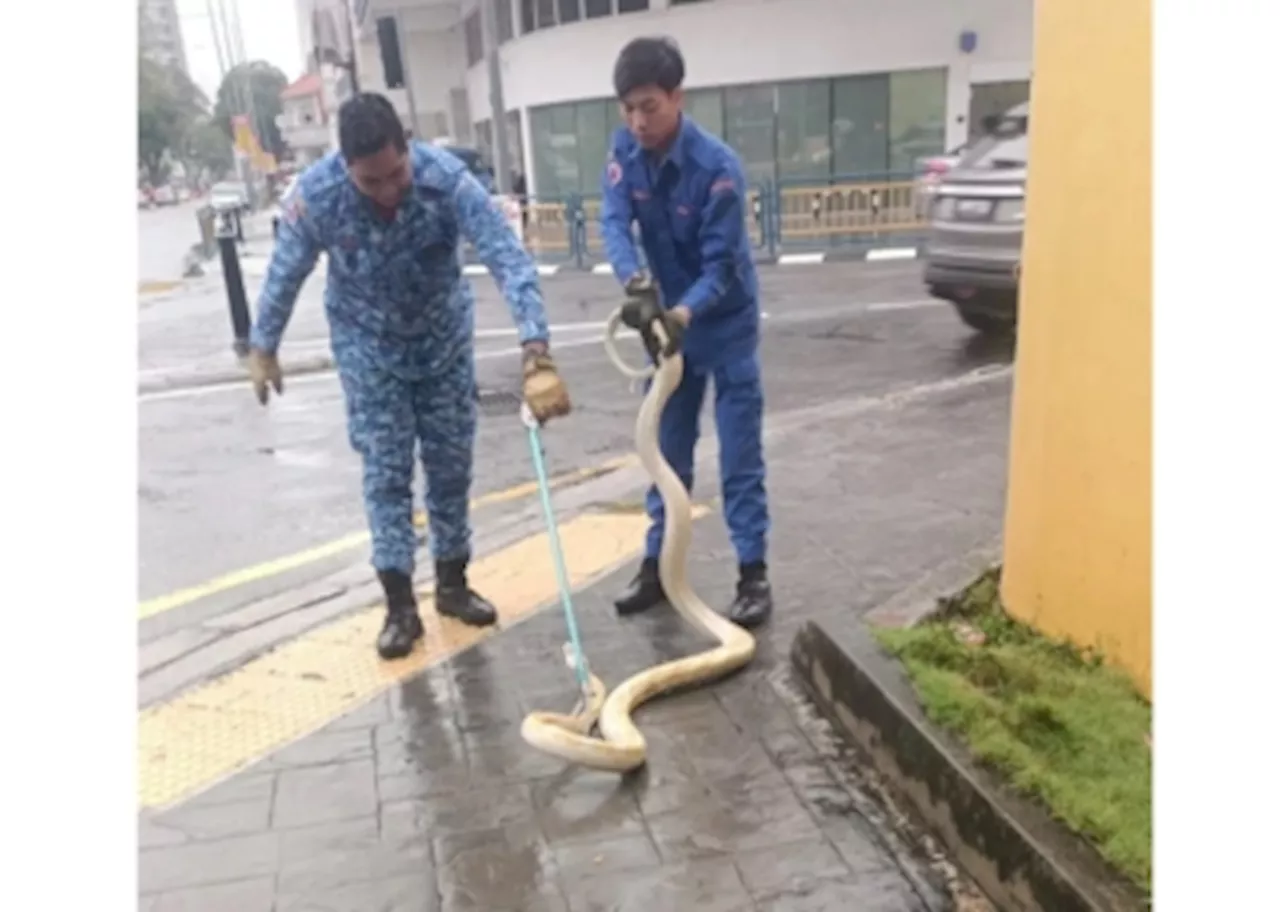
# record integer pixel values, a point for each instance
(622, 746)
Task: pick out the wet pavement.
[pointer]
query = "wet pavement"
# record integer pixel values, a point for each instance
(886, 457)
(225, 484)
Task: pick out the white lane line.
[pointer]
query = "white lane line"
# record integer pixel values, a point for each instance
(602, 269)
(800, 259)
(785, 316)
(327, 376)
(891, 253)
(906, 305)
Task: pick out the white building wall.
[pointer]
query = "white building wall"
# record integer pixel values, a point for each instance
(436, 65)
(727, 42)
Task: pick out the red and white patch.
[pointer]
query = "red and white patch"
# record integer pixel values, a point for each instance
(293, 208)
(613, 173)
(722, 185)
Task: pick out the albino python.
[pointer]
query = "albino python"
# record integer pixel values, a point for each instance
(622, 746)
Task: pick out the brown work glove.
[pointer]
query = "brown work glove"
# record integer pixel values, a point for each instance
(264, 370)
(544, 391)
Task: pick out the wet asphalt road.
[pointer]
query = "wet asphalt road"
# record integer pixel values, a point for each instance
(165, 234)
(225, 484)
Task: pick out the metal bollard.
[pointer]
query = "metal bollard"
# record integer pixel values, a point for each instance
(227, 229)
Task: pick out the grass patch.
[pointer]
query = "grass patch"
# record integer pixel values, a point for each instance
(1057, 724)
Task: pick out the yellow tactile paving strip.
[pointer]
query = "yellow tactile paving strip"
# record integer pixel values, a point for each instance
(220, 727)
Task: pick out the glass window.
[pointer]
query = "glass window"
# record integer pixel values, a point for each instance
(553, 130)
(569, 11)
(632, 6)
(594, 9)
(804, 129)
(917, 117)
(474, 39)
(546, 13)
(749, 128)
(506, 24)
(528, 22)
(593, 143)
(860, 125)
(706, 108)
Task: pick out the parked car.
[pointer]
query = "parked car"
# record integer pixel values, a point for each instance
(475, 164)
(973, 255)
(930, 172)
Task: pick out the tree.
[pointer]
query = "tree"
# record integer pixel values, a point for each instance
(253, 90)
(169, 103)
(207, 146)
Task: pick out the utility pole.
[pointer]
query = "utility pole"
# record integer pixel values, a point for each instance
(497, 107)
(217, 42)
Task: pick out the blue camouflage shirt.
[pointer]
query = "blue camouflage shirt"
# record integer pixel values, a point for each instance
(691, 208)
(395, 290)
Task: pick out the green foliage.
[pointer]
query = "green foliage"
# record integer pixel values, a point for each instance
(169, 104)
(1062, 727)
(207, 145)
(253, 90)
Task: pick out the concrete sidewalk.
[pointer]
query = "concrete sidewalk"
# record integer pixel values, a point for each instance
(425, 798)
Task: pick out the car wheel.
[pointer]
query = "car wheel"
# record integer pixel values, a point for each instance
(986, 322)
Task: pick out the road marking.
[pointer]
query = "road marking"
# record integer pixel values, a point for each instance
(268, 569)
(217, 729)
(241, 386)
(602, 269)
(891, 253)
(800, 259)
(907, 305)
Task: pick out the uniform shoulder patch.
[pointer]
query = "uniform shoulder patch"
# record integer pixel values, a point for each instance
(293, 207)
(723, 185)
(613, 172)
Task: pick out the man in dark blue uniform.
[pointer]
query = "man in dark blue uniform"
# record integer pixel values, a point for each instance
(685, 188)
(390, 215)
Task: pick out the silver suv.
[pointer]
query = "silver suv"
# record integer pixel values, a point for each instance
(974, 253)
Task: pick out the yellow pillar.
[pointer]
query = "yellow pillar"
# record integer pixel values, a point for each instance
(1078, 520)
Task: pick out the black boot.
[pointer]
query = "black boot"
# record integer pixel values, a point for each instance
(643, 592)
(754, 603)
(456, 600)
(403, 626)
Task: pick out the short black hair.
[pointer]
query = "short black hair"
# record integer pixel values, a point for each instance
(366, 123)
(648, 62)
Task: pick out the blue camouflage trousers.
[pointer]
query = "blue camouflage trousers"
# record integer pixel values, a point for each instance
(387, 414)
(739, 408)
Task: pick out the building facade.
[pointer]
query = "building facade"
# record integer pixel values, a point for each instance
(304, 118)
(804, 90)
(160, 33)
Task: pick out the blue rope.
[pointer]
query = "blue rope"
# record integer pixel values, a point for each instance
(557, 555)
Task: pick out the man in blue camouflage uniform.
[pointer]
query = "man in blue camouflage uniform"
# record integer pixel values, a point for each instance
(686, 190)
(390, 214)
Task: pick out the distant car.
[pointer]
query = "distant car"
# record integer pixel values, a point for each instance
(144, 198)
(164, 195)
(475, 164)
(230, 196)
(973, 257)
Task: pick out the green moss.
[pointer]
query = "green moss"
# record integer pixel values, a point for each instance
(1059, 725)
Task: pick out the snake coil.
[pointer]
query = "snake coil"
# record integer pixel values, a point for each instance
(621, 747)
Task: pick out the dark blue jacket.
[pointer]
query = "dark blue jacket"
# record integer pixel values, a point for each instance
(691, 208)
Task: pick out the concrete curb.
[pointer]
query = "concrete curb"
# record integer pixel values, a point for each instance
(1020, 857)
